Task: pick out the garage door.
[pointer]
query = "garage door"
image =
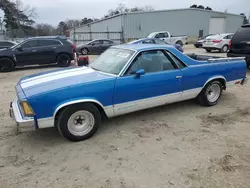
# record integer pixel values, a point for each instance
(217, 25)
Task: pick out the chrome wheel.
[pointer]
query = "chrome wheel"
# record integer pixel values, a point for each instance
(84, 51)
(213, 93)
(224, 49)
(81, 123)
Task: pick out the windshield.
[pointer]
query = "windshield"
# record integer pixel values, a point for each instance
(112, 60)
(152, 35)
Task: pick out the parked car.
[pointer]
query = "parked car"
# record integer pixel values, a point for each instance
(155, 41)
(218, 42)
(169, 38)
(123, 79)
(95, 46)
(37, 50)
(200, 41)
(240, 44)
(6, 44)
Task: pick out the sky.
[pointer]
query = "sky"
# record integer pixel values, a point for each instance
(54, 11)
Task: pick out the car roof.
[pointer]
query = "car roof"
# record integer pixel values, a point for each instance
(139, 47)
(50, 37)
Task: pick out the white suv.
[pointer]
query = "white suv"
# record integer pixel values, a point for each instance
(217, 42)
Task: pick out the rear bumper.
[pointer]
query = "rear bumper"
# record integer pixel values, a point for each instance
(15, 113)
(244, 81)
(198, 45)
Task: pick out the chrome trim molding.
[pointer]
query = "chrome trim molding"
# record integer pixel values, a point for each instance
(16, 114)
(214, 78)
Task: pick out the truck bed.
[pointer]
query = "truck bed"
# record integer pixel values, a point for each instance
(211, 58)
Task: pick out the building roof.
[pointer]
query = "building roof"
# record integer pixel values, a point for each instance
(168, 10)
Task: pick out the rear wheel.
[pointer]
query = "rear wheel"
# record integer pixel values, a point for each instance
(180, 43)
(79, 122)
(84, 51)
(63, 60)
(224, 49)
(208, 50)
(210, 94)
(6, 65)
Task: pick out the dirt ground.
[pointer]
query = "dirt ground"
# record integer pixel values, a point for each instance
(178, 146)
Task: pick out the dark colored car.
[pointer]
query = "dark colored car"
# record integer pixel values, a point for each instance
(240, 44)
(200, 41)
(156, 41)
(6, 44)
(95, 46)
(38, 50)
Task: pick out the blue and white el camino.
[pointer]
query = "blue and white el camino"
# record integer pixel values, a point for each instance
(123, 79)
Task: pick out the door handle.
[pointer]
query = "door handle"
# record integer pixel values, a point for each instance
(54, 47)
(34, 50)
(178, 77)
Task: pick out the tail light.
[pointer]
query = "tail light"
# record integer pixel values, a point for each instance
(217, 41)
(230, 44)
(74, 47)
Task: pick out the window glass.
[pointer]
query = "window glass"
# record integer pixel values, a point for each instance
(48, 42)
(160, 35)
(6, 44)
(159, 41)
(97, 42)
(107, 42)
(147, 41)
(242, 33)
(177, 61)
(30, 44)
(112, 60)
(150, 61)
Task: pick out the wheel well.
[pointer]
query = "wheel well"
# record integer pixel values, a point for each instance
(8, 58)
(179, 41)
(85, 48)
(100, 109)
(63, 53)
(221, 80)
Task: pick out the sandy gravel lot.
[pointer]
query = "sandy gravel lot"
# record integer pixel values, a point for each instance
(178, 146)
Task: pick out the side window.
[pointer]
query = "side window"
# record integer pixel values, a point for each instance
(176, 61)
(160, 35)
(30, 44)
(230, 36)
(107, 42)
(97, 42)
(166, 35)
(49, 42)
(147, 42)
(158, 41)
(150, 61)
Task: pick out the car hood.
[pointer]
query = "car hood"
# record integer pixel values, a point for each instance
(64, 78)
(5, 51)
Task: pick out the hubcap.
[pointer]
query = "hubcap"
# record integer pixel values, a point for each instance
(213, 93)
(224, 49)
(64, 60)
(84, 51)
(80, 123)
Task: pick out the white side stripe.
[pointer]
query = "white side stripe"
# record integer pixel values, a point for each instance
(55, 77)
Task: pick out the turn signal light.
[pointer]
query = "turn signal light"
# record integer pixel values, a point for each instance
(27, 109)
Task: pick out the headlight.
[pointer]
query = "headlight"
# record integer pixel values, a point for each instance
(27, 110)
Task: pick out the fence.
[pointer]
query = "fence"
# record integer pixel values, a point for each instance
(83, 37)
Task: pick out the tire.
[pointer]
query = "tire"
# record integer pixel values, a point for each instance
(180, 43)
(6, 65)
(71, 116)
(208, 50)
(84, 51)
(210, 94)
(224, 49)
(63, 60)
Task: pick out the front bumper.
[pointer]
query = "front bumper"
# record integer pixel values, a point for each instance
(22, 122)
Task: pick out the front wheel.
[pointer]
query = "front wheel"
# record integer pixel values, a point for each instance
(84, 51)
(63, 60)
(180, 43)
(210, 94)
(79, 122)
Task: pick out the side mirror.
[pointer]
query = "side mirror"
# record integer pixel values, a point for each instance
(20, 48)
(140, 72)
(92, 44)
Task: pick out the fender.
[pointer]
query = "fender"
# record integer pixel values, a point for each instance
(214, 78)
(107, 109)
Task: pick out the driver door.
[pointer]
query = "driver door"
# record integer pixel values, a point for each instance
(28, 54)
(160, 85)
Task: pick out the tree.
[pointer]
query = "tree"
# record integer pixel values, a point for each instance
(201, 7)
(45, 30)
(193, 6)
(17, 17)
(208, 8)
(62, 28)
(245, 21)
(86, 21)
